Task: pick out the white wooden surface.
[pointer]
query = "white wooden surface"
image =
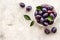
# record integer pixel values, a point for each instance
(13, 26)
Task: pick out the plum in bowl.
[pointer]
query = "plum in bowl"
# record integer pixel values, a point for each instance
(45, 14)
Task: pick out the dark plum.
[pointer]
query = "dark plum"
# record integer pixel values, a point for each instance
(55, 14)
(54, 30)
(22, 5)
(38, 17)
(44, 10)
(47, 31)
(45, 15)
(45, 23)
(46, 20)
(38, 13)
(50, 8)
(41, 19)
(52, 15)
(28, 8)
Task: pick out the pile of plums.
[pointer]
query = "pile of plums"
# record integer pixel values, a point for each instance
(46, 15)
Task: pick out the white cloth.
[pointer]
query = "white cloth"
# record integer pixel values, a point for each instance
(15, 27)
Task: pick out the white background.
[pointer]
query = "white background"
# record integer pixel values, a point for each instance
(15, 27)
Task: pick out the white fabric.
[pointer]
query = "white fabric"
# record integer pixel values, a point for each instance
(15, 27)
